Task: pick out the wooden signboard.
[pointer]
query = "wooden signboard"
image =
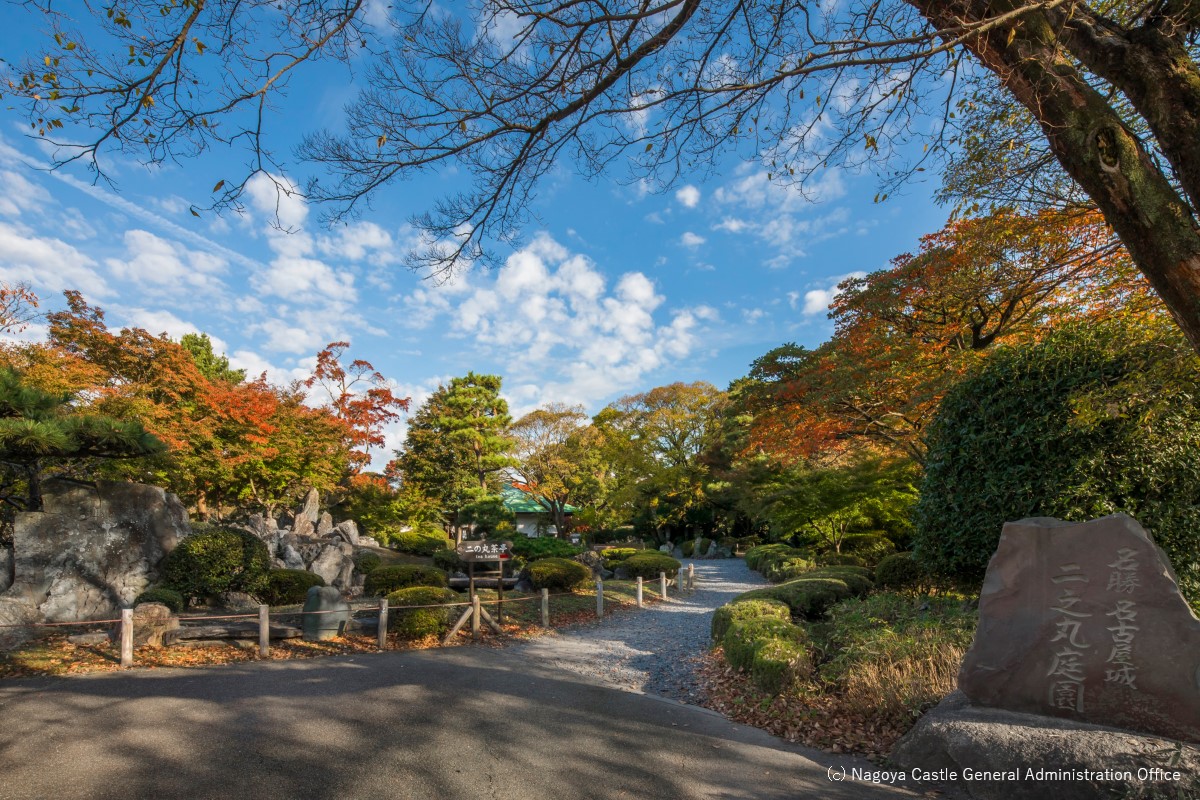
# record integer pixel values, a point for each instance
(484, 551)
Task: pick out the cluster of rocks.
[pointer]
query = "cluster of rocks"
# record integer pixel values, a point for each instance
(90, 551)
(309, 540)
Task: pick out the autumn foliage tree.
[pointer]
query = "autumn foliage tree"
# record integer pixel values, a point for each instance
(904, 335)
(359, 396)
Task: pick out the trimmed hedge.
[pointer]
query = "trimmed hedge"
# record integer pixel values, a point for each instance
(808, 598)
(215, 560)
(285, 587)
(557, 573)
(533, 549)
(447, 559)
(898, 571)
(779, 663)
(871, 547)
(649, 564)
(744, 637)
(366, 562)
(741, 610)
(787, 569)
(841, 560)
(615, 556)
(424, 542)
(420, 622)
(384, 580)
(160, 594)
(756, 555)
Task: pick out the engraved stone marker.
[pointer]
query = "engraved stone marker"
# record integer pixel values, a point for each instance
(1085, 621)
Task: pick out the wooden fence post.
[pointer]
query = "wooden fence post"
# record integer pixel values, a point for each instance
(545, 608)
(264, 632)
(126, 637)
(691, 577)
(599, 597)
(639, 591)
(383, 623)
(662, 580)
(679, 581)
(475, 617)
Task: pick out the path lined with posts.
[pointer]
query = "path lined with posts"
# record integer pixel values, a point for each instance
(652, 650)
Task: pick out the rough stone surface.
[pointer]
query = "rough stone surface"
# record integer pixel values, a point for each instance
(325, 626)
(311, 510)
(6, 567)
(303, 526)
(348, 530)
(325, 524)
(1085, 621)
(957, 736)
(264, 528)
(16, 611)
(712, 550)
(153, 625)
(666, 548)
(239, 601)
(291, 558)
(93, 548)
(593, 561)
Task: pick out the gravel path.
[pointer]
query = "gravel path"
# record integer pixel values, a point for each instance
(653, 650)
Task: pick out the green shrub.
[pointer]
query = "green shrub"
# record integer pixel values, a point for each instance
(447, 560)
(841, 559)
(421, 542)
(384, 580)
(741, 610)
(871, 547)
(366, 562)
(859, 579)
(755, 555)
(649, 564)
(1094, 419)
(744, 637)
(898, 571)
(557, 574)
(532, 549)
(616, 556)
(747, 542)
(687, 548)
(778, 664)
(420, 622)
(216, 560)
(777, 571)
(807, 597)
(285, 587)
(160, 594)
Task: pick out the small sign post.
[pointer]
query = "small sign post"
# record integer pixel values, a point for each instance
(477, 551)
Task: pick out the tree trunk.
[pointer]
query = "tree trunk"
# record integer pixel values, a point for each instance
(33, 479)
(1093, 145)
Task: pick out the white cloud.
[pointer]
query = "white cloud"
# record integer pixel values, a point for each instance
(18, 195)
(688, 196)
(159, 265)
(690, 239)
(563, 334)
(793, 298)
(162, 321)
(278, 198)
(50, 265)
(731, 224)
(817, 301)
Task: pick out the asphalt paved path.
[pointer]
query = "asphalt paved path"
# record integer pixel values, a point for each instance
(462, 722)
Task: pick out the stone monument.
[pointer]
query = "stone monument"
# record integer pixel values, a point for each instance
(1085, 621)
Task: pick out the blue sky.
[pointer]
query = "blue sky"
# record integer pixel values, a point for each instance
(616, 288)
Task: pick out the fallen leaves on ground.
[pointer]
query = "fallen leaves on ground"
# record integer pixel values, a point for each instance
(804, 715)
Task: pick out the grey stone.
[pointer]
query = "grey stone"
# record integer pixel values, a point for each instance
(264, 528)
(93, 548)
(6, 567)
(712, 550)
(311, 510)
(236, 601)
(291, 558)
(325, 524)
(334, 564)
(1085, 621)
(524, 585)
(957, 736)
(348, 530)
(153, 625)
(666, 548)
(696, 548)
(327, 625)
(16, 611)
(593, 561)
(303, 526)
(621, 574)
(724, 552)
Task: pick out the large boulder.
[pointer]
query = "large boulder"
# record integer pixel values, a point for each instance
(16, 612)
(311, 510)
(153, 625)
(335, 564)
(1035, 757)
(347, 530)
(325, 524)
(6, 567)
(1085, 621)
(92, 548)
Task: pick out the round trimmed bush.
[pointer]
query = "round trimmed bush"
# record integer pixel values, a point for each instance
(898, 571)
(557, 573)
(384, 580)
(615, 556)
(859, 579)
(215, 560)
(649, 564)
(787, 569)
(417, 623)
(421, 542)
(285, 587)
(160, 594)
(841, 560)
(778, 664)
(744, 638)
(807, 597)
(871, 547)
(756, 555)
(740, 610)
(535, 548)
(1094, 419)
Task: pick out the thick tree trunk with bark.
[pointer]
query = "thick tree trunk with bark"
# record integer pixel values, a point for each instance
(1090, 140)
